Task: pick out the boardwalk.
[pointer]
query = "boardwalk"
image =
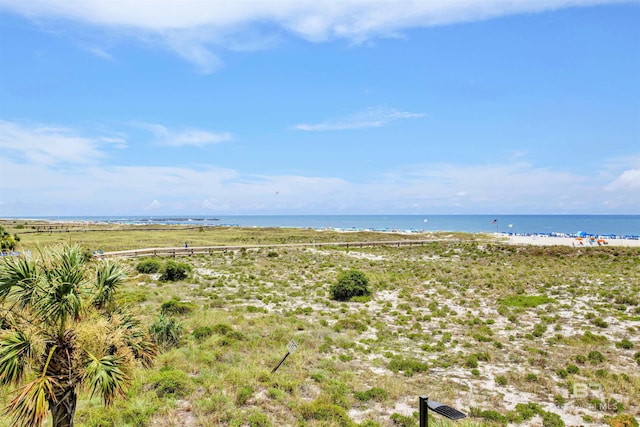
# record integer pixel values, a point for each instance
(190, 251)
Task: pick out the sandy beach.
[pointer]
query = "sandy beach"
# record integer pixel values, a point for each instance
(540, 240)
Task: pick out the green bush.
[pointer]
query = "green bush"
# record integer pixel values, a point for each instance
(174, 271)
(625, 343)
(402, 420)
(349, 324)
(325, 412)
(376, 393)
(408, 366)
(595, 357)
(166, 332)
(202, 332)
(175, 308)
(222, 328)
(7, 242)
(243, 395)
(350, 284)
(501, 380)
(169, 382)
(549, 419)
(149, 266)
(600, 323)
(258, 419)
(528, 410)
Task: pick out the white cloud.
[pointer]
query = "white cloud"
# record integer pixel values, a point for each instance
(192, 28)
(192, 137)
(628, 180)
(369, 118)
(37, 158)
(47, 144)
(154, 205)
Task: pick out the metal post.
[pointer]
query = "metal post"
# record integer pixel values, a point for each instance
(424, 412)
(281, 362)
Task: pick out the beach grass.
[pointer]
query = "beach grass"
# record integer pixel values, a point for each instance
(506, 334)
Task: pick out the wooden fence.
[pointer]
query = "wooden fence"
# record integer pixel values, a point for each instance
(197, 250)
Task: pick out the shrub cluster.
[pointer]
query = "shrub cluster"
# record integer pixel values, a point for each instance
(174, 271)
(149, 266)
(352, 283)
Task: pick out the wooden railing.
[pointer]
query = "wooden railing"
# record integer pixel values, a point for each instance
(196, 250)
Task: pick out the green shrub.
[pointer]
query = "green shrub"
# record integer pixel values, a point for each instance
(376, 393)
(175, 308)
(471, 361)
(408, 366)
(349, 323)
(600, 323)
(559, 400)
(350, 284)
(243, 395)
(258, 419)
(202, 332)
(174, 271)
(573, 369)
(325, 412)
(169, 382)
(625, 343)
(490, 415)
(595, 357)
(222, 328)
(525, 301)
(501, 380)
(581, 359)
(528, 410)
(403, 420)
(166, 332)
(539, 329)
(549, 419)
(149, 266)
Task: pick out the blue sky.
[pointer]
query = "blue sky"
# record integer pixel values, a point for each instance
(319, 107)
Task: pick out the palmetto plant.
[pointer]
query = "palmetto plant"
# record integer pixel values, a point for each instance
(62, 332)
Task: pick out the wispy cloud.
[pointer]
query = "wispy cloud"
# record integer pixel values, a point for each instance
(185, 137)
(38, 157)
(49, 144)
(195, 30)
(369, 118)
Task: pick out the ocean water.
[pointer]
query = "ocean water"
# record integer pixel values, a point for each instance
(619, 225)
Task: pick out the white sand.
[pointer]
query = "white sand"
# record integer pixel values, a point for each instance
(565, 241)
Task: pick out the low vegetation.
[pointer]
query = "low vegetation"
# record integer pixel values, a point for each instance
(506, 334)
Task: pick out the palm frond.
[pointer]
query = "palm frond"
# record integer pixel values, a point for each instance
(29, 407)
(20, 276)
(109, 276)
(62, 291)
(136, 338)
(15, 351)
(106, 377)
